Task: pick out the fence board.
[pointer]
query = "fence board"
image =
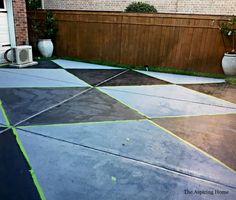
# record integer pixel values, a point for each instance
(182, 41)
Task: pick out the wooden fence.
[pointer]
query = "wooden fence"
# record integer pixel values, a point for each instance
(191, 42)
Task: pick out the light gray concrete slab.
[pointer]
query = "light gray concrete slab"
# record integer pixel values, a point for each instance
(168, 100)
(142, 140)
(67, 171)
(67, 64)
(181, 79)
(38, 78)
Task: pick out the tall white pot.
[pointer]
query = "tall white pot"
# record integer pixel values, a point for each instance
(45, 47)
(229, 64)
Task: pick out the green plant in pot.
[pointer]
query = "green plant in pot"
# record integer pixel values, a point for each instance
(228, 29)
(45, 45)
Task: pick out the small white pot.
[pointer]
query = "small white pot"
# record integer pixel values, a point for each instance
(229, 64)
(45, 47)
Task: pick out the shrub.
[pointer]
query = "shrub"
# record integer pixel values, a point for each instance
(33, 4)
(229, 30)
(50, 26)
(43, 29)
(140, 7)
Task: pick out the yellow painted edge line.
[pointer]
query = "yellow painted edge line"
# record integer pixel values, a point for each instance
(33, 175)
(122, 102)
(39, 189)
(21, 145)
(81, 123)
(4, 115)
(195, 147)
(208, 95)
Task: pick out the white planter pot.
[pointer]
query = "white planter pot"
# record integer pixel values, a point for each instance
(229, 64)
(45, 47)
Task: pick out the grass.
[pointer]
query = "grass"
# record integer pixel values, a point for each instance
(231, 80)
(3, 65)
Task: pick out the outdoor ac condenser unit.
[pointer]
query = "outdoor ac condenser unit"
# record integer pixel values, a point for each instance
(22, 56)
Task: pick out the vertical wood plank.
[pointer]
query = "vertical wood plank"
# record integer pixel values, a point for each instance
(190, 42)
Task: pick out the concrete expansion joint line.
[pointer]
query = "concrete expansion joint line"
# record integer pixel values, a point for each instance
(51, 79)
(157, 166)
(175, 99)
(62, 102)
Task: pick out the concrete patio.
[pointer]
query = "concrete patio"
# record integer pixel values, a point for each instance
(72, 130)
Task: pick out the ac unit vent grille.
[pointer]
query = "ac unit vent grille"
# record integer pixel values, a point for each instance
(24, 55)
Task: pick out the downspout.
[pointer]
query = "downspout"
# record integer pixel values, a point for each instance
(11, 23)
(42, 4)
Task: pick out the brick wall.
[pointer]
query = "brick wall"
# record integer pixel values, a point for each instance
(20, 18)
(215, 7)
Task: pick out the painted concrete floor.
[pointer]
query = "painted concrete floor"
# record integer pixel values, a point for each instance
(71, 130)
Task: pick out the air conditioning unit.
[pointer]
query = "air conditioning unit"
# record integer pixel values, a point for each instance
(22, 56)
